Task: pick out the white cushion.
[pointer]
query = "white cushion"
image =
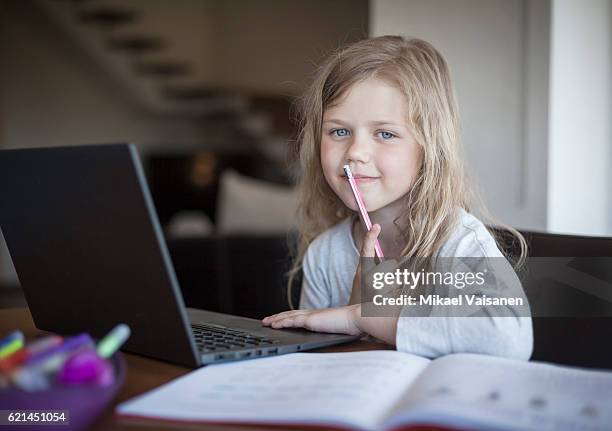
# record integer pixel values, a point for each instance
(189, 224)
(247, 205)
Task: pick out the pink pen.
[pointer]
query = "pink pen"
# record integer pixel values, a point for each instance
(362, 208)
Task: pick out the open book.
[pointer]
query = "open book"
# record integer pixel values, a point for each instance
(385, 390)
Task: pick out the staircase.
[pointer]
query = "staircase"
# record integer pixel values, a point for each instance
(162, 56)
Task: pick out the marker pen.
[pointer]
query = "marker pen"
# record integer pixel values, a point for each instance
(362, 209)
(34, 374)
(11, 343)
(60, 350)
(90, 366)
(113, 340)
(35, 347)
(10, 337)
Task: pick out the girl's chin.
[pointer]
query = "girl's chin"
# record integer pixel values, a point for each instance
(353, 206)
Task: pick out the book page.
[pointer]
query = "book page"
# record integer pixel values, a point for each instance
(483, 392)
(352, 388)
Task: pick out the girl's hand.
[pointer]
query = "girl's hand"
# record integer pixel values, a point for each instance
(339, 320)
(367, 250)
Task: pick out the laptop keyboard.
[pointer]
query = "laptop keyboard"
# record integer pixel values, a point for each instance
(211, 338)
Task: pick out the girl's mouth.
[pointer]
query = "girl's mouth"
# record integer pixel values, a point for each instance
(361, 179)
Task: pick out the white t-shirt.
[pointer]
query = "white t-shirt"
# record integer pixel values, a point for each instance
(329, 267)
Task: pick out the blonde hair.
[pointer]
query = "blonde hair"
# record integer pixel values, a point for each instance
(431, 207)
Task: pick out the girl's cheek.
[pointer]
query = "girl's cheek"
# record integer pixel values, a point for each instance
(396, 171)
(331, 158)
(325, 153)
(328, 163)
(388, 164)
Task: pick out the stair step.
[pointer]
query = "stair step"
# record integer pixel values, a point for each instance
(163, 69)
(136, 44)
(108, 17)
(192, 93)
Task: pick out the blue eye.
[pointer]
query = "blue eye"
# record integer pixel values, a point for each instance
(386, 135)
(340, 133)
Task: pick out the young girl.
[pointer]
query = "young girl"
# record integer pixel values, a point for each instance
(386, 107)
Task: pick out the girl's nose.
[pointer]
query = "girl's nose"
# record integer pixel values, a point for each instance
(359, 150)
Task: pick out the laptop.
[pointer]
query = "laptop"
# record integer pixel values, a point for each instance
(89, 251)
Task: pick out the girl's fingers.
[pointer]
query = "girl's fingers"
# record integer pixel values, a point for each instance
(287, 319)
(295, 321)
(367, 250)
(284, 313)
(280, 316)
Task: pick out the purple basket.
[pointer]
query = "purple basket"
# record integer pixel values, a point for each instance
(84, 403)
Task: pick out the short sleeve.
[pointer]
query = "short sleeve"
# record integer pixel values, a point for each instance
(315, 290)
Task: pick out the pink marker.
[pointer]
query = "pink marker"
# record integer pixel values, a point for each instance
(362, 208)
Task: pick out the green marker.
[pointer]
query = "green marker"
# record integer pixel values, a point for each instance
(11, 347)
(113, 341)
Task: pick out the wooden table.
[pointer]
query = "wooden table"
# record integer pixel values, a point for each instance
(145, 374)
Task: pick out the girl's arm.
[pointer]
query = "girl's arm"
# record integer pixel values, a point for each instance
(347, 319)
(340, 320)
(383, 328)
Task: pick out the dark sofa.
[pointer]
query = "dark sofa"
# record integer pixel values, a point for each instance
(245, 275)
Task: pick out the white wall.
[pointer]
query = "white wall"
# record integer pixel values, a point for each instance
(272, 45)
(533, 81)
(580, 184)
(497, 52)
